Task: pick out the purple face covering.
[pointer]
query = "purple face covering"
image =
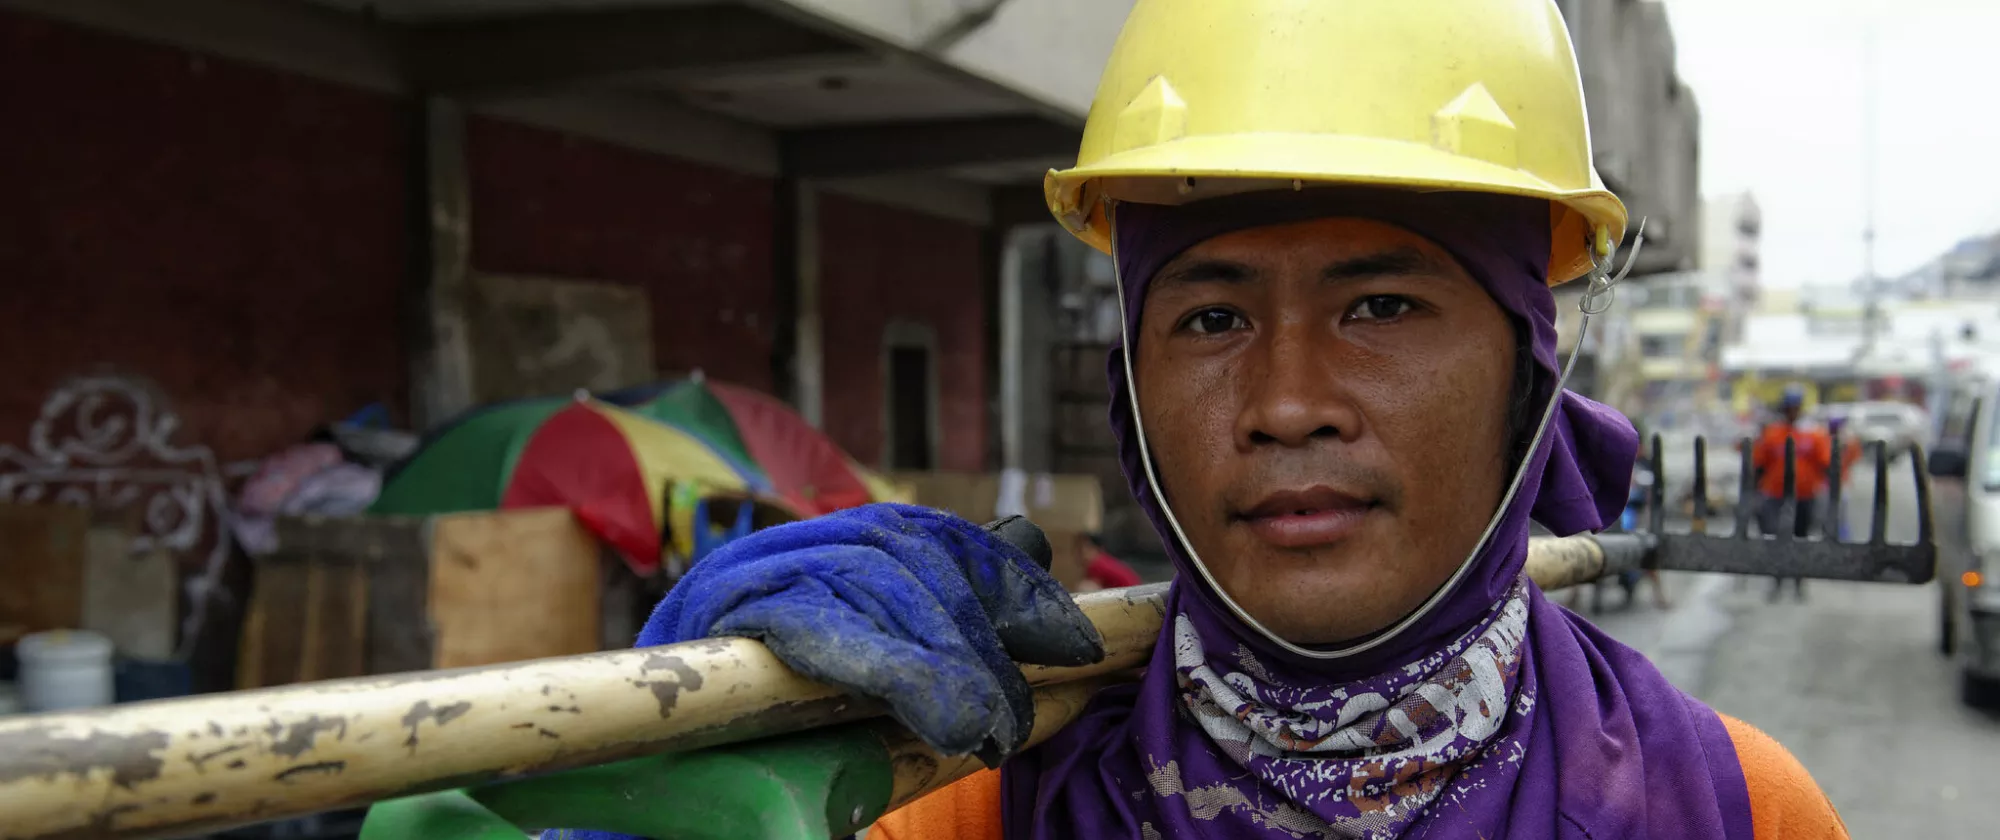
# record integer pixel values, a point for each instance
(1496, 715)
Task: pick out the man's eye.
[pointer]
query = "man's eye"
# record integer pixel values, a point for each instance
(1380, 308)
(1214, 321)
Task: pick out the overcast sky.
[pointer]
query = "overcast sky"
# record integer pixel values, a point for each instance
(1781, 82)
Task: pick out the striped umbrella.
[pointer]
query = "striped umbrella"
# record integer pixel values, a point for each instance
(807, 470)
(619, 471)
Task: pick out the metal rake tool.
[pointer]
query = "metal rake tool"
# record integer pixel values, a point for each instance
(1784, 554)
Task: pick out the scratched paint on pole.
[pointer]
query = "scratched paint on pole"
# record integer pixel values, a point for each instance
(178, 767)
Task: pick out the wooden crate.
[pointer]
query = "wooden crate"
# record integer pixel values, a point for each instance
(68, 568)
(43, 551)
(1065, 506)
(376, 595)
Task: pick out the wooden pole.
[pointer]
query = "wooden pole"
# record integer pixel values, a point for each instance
(176, 767)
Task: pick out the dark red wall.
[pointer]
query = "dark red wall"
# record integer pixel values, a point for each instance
(239, 236)
(235, 234)
(697, 238)
(879, 264)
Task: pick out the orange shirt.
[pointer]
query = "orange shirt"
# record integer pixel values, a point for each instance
(1785, 803)
(1814, 454)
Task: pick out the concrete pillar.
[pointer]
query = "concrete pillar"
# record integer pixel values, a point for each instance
(1030, 315)
(441, 346)
(1010, 351)
(810, 365)
(1046, 256)
(797, 358)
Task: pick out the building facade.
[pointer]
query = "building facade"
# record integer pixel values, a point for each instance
(278, 213)
(232, 222)
(1645, 127)
(1732, 260)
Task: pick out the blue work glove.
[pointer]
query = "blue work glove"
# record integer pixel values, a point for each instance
(912, 606)
(908, 605)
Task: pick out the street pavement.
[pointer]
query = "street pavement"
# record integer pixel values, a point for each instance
(1850, 680)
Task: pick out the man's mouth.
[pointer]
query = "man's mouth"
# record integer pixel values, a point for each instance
(1318, 516)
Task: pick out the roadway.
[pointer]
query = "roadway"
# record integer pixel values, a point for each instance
(1850, 680)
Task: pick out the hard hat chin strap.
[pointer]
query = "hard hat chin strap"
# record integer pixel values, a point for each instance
(1596, 300)
(1603, 285)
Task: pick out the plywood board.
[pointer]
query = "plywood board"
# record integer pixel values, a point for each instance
(313, 614)
(132, 598)
(1055, 502)
(400, 636)
(393, 554)
(969, 495)
(512, 585)
(534, 336)
(42, 560)
(336, 621)
(273, 636)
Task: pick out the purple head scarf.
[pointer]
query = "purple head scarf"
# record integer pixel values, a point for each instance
(1497, 714)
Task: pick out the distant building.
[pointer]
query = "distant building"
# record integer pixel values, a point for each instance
(1645, 125)
(1970, 270)
(1680, 321)
(1777, 301)
(1821, 341)
(1645, 129)
(1671, 333)
(1732, 255)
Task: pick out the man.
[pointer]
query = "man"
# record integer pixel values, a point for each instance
(1813, 458)
(1338, 398)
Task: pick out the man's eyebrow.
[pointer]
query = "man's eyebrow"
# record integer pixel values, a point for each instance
(1394, 262)
(1205, 271)
(1400, 261)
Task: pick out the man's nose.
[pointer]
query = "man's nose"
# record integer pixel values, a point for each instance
(1294, 391)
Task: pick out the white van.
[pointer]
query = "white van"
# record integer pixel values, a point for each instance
(1965, 483)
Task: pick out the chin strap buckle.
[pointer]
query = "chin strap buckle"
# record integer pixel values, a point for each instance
(1603, 289)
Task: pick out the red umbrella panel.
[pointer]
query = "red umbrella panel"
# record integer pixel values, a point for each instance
(804, 467)
(612, 468)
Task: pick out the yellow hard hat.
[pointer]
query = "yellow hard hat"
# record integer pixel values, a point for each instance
(1203, 98)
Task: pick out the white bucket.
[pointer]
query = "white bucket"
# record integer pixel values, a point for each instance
(65, 669)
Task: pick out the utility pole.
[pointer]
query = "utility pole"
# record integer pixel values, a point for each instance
(1871, 286)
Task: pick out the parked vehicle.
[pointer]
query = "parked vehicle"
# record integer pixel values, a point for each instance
(1899, 426)
(1965, 473)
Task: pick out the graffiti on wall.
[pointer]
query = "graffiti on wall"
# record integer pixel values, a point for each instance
(107, 443)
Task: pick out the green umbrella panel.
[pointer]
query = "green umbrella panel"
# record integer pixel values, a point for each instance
(464, 466)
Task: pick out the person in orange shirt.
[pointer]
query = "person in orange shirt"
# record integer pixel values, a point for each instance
(1812, 460)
